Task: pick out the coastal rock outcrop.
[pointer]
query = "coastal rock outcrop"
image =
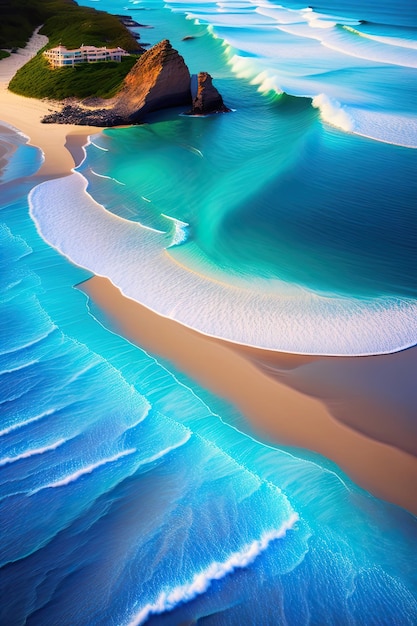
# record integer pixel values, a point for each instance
(207, 99)
(160, 79)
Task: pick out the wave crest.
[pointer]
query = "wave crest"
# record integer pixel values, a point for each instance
(333, 112)
(167, 600)
(294, 319)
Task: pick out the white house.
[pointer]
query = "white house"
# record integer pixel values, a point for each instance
(61, 57)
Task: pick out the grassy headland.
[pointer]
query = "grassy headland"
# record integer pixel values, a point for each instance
(67, 23)
(37, 79)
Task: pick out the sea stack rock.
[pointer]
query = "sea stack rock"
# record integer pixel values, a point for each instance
(207, 99)
(160, 79)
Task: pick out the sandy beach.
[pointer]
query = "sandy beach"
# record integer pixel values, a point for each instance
(25, 114)
(269, 401)
(356, 411)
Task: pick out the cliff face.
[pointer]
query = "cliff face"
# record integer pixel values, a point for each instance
(160, 79)
(207, 99)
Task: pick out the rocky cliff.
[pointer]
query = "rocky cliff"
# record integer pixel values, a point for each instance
(207, 99)
(160, 79)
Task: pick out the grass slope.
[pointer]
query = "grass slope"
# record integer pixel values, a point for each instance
(37, 80)
(67, 23)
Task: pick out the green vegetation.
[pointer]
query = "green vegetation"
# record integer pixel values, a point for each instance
(18, 19)
(73, 26)
(4, 54)
(64, 22)
(67, 23)
(37, 80)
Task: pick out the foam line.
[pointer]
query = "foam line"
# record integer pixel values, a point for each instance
(36, 418)
(19, 367)
(108, 177)
(85, 470)
(99, 147)
(168, 600)
(79, 373)
(135, 259)
(141, 418)
(391, 41)
(162, 453)
(29, 453)
(272, 54)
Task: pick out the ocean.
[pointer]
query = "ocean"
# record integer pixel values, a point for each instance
(284, 210)
(125, 497)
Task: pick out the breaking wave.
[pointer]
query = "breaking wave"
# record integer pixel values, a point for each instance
(201, 581)
(294, 319)
(299, 51)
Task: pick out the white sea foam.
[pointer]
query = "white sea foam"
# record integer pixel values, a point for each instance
(267, 82)
(142, 417)
(302, 51)
(135, 259)
(97, 146)
(391, 41)
(162, 453)
(384, 126)
(108, 177)
(371, 50)
(351, 42)
(192, 148)
(169, 599)
(180, 230)
(84, 470)
(11, 286)
(62, 482)
(35, 418)
(34, 452)
(332, 112)
(20, 367)
(96, 360)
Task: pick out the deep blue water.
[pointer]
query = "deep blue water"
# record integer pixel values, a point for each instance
(124, 498)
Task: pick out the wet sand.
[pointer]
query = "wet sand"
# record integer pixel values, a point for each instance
(269, 401)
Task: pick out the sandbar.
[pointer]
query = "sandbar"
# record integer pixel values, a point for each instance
(276, 410)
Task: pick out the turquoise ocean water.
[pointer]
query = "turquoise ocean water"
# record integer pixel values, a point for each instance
(284, 210)
(124, 499)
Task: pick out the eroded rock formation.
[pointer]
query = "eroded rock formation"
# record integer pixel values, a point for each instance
(160, 79)
(207, 99)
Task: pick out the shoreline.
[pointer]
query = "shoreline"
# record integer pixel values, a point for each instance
(273, 408)
(282, 395)
(25, 114)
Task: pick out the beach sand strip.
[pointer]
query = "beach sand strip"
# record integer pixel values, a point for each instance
(276, 411)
